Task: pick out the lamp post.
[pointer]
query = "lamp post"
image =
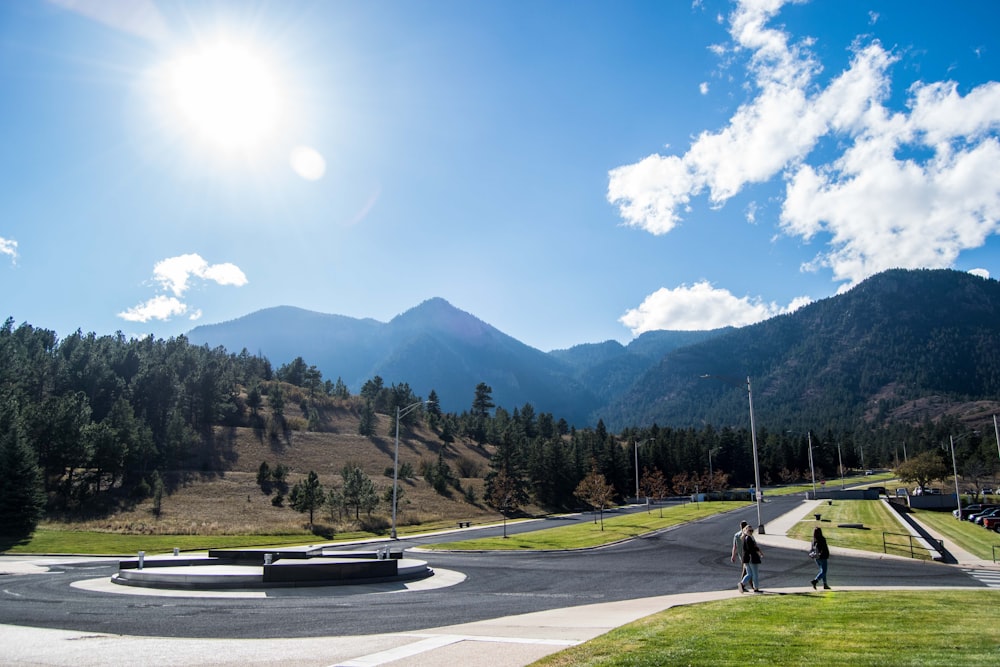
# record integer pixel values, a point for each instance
(753, 440)
(840, 461)
(812, 468)
(996, 430)
(954, 468)
(400, 413)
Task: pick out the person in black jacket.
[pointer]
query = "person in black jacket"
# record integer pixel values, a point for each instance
(751, 560)
(822, 556)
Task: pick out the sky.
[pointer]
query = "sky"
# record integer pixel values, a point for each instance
(567, 171)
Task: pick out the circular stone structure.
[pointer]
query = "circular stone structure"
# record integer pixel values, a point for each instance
(265, 568)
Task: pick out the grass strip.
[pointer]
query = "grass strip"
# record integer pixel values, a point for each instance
(972, 537)
(590, 534)
(875, 518)
(826, 629)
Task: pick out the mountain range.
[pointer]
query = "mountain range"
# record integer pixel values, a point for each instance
(904, 345)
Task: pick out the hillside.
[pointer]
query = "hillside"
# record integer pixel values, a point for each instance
(901, 346)
(215, 490)
(904, 345)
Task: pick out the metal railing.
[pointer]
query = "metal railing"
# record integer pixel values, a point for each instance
(905, 544)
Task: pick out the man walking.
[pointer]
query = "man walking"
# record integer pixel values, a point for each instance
(738, 548)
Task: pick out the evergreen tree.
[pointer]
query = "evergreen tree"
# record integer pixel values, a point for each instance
(482, 403)
(308, 495)
(358, 490)
(22, 501)
(366, 423)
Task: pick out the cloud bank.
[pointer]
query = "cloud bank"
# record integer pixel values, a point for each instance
(907, 189)
(176, 275)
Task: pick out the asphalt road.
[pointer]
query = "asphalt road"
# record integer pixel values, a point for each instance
(689, 558)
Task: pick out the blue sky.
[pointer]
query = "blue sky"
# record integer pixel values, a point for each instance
(568, 172)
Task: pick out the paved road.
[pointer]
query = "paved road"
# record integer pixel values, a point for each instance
(689, 558)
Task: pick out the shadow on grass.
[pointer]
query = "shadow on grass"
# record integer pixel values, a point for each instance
(8, 542)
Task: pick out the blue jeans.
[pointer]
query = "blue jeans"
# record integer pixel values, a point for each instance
(751, 575)
(821, 576)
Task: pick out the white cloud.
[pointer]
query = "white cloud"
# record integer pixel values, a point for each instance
(158, 308)
(175, 274)
(703, 87)
(8, 247)
(982, 273)
(909, 188)
(699, 307)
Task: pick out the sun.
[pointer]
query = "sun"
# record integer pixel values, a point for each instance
(226, 94)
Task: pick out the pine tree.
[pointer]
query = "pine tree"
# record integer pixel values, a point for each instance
(308, 495)
(22, 501)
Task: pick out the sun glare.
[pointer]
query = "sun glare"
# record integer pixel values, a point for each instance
(226, 94)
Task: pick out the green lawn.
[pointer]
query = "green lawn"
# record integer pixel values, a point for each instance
(582, 535)
(831, 484)
(826, 629)
(973, 538)
(872, 514)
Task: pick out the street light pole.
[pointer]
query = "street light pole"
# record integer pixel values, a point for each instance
(637, 471)
(840, 460)
(753, 440)
(996, 430)
(812, 468)
(400, 413)
(954, 466)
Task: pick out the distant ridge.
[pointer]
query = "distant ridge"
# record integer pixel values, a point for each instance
(904, 345)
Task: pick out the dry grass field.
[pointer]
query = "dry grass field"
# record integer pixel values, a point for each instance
(217, 491)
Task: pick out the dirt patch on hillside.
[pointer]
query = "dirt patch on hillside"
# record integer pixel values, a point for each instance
(217, 491)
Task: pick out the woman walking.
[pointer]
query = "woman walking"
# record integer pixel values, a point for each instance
(751, 560)
(821, 552)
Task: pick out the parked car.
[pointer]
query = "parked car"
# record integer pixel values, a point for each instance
(992, 523)
(975, 508)
(978, 518)
(971, 516)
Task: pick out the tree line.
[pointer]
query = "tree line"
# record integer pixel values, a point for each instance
(90, 422)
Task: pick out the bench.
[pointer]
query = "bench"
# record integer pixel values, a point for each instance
(464, 524)
(850, 525)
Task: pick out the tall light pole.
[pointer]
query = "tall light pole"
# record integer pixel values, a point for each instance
(954, 467)
(812, 468)
(400, 413)
(840, 460)
(636, 471)
(996, 430)
(753, 440)
(756, 464)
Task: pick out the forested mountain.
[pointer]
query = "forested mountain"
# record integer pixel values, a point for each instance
(437, 346)
(901, 363)
(433, 346)
(609, 369)
(901, 346)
